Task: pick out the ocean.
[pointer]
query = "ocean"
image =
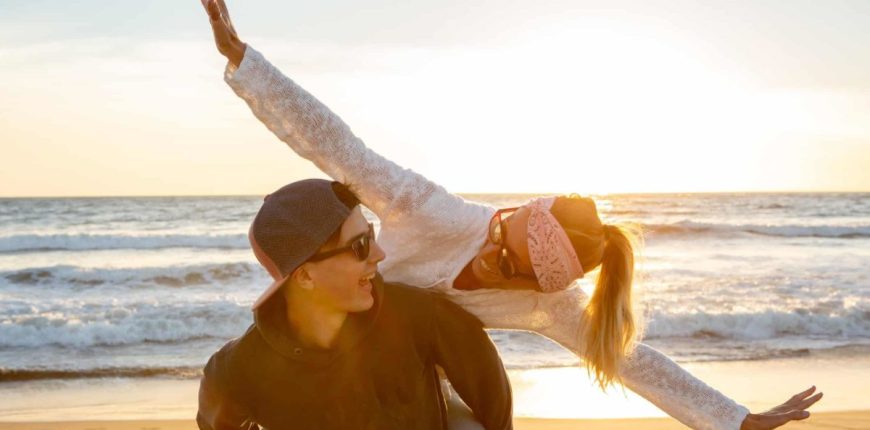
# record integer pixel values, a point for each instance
(152, 286)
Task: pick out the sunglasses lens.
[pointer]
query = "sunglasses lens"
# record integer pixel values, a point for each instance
(495, 231)
(361, 247)
(505, 265)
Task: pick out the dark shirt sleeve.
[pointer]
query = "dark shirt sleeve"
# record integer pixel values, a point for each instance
(472, 365)
(217, 409)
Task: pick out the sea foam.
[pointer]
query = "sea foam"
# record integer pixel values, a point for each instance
(37, 242)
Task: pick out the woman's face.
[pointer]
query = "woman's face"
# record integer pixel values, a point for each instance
(485, 263)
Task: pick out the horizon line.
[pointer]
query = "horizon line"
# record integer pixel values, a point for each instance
(486, 193)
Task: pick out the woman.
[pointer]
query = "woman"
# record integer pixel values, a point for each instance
(512, 268)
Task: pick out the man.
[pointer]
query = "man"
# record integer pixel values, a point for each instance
(332, 345)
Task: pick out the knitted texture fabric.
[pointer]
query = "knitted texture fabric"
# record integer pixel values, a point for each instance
(429, 235)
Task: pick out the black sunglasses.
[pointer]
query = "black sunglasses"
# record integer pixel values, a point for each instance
(360, 245)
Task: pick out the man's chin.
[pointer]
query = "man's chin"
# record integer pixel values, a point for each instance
(364, 304)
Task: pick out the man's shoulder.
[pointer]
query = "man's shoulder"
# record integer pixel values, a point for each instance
(420, 303)
(404, 290)
(402, 297)
(236, 351)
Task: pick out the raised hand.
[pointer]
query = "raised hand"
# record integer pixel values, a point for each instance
(793, 409)
(225, 37)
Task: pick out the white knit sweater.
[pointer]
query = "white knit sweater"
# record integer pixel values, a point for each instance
(429, 235)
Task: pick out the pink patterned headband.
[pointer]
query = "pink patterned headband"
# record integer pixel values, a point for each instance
(552, 256)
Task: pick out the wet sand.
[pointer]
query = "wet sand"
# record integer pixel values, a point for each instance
(822, 420)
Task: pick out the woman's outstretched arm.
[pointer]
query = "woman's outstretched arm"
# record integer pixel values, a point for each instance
(647, 371)
(650, 374)
(653, 375)
(315, 133)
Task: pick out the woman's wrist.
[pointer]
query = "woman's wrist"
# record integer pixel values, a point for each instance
(745, 425)
(236, 53)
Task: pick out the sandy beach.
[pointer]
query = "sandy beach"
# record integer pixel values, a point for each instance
(824, 420)
(545, 399)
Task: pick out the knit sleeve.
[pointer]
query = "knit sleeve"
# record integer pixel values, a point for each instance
(315, 133)
(646, 371)
(663, 382)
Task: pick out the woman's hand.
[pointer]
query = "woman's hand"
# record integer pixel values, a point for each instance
(793, 409)
(225, 36)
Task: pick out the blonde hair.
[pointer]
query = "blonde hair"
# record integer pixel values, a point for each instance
(611, 325)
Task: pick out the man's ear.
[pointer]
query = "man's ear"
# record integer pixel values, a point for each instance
(302, 277)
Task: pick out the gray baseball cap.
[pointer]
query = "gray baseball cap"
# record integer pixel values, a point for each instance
(293, 223)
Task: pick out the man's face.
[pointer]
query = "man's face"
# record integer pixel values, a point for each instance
(342, 282)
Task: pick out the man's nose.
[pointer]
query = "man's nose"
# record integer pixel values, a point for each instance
(377, 253)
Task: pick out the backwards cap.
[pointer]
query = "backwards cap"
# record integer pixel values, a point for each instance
(293, 224)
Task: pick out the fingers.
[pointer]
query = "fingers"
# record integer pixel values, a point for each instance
(809, 402)
(214, 12)
(225, 13)
(798, 415)
(800, 396)
(223, 7)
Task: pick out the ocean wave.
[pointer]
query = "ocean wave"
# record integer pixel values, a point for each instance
(842, 323)
(687, 228)
(52, 242)
(687, 350)
(115, 325)
(18, 375)
(173, 276)
(74, 323)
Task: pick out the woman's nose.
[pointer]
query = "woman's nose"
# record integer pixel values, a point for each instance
(489, 253)
(489, 249)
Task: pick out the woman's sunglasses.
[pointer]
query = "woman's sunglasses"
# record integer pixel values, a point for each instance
(505, 258)
(360, 246)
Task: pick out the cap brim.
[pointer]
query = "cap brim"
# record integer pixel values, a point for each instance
(270, 267)
(268, 293)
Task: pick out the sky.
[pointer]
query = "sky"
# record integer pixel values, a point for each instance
(107, 98)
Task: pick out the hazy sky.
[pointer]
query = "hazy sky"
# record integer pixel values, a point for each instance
(127, 98)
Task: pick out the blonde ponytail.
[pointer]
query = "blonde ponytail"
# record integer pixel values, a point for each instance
(610, 327)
